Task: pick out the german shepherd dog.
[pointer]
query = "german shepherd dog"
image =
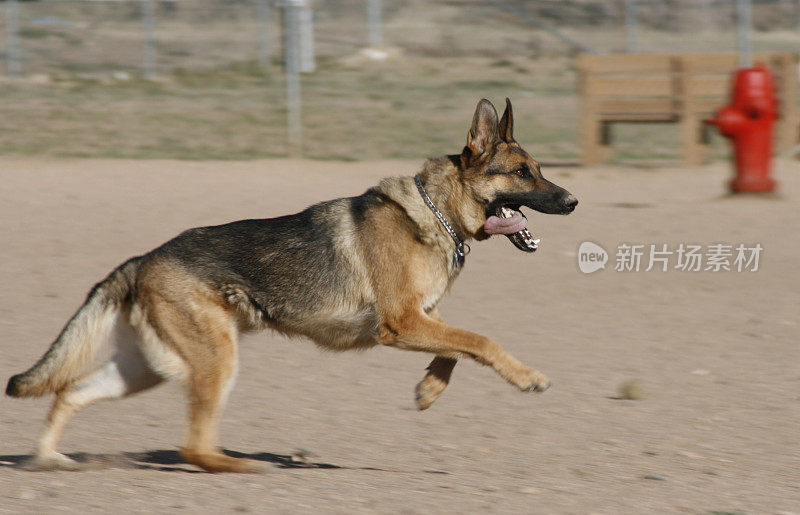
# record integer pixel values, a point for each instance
(349, 273)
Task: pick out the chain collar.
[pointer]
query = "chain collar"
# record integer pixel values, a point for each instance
(462, 249)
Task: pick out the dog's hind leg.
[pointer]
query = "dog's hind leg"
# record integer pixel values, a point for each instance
(208, 385)
(434, 382)
(125, 374)
(192, 332)
(209, 382)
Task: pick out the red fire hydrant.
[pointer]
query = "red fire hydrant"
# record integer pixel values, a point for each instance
(748, 122)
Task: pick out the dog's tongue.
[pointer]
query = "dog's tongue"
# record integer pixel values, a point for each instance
(513, 224)
(498, 225)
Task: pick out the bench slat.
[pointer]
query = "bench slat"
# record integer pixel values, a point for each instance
(599, 86)
(603, 64)
(708, 85)
(724, 63)
(640, 117)
(682, 88)
(646, 106)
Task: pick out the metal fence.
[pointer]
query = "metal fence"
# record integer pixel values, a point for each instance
(153, 39)
(151, 36)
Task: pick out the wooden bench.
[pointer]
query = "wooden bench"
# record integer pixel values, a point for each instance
(685, 89)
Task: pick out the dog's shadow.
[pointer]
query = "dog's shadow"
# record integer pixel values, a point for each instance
(168, 461)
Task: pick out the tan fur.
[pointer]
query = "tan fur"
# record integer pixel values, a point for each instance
(408, 290)
(79, 341)
(193, 321)
(85, 333)
(175, 322)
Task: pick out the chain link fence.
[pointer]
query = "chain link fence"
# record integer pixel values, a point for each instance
(435, 56)
(89, 36)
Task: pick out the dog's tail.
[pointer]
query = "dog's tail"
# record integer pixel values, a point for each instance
(80, 340)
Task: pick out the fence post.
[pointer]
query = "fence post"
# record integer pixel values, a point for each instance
(306, 26)
(12, 39)
(291, 46)
(264, 46)
(745, 44)
(149, 50)
(523, 15)
(632, 26)
(375, 23)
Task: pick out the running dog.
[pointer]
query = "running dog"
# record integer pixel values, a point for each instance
(349, 273)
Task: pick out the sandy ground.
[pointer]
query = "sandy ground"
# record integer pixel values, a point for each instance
(716, 355)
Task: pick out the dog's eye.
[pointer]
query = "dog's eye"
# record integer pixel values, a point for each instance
(520, 172)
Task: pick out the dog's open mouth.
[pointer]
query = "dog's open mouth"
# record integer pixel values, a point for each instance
(510, 221)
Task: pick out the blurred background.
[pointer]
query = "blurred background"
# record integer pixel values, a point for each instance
(675, 391)
(204, 79)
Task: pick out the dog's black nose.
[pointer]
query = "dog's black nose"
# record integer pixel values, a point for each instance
(570, 202)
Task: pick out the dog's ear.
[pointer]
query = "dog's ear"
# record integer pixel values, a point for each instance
(507, 123)
(483, 134)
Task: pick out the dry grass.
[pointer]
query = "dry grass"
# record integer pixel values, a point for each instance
(212, 102)
(409, 107)
(405, 108)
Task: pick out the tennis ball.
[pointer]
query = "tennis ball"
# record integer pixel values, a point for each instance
(631, 389)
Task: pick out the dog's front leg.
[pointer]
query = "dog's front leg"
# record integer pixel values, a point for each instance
(435, 381)
(437, 378)
(414, 330)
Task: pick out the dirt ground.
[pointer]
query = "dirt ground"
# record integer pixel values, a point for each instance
(716, 356)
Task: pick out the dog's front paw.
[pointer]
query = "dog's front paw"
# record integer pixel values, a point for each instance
(428, 390)
(538, 382)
